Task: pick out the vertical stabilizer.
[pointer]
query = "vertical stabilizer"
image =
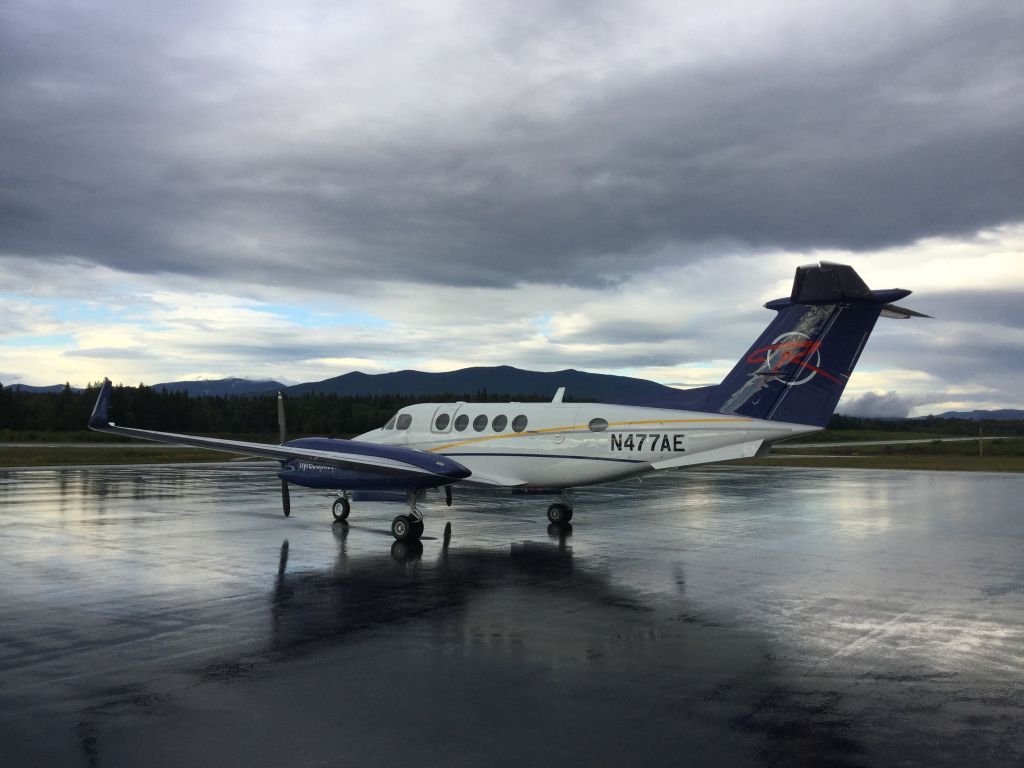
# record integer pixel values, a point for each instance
(797, 369)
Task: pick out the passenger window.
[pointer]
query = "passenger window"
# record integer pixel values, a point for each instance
(404, 420)
(391, 424)
(519, 423)
(461, 422)
(441, 422)
(479, 423)
(598, 425)
(499, 423)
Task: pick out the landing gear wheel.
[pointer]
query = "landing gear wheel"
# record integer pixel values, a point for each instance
(406, 528)
(559, 514)
(341, 508)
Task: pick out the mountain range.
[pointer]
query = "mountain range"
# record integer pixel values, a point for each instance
(501, 379)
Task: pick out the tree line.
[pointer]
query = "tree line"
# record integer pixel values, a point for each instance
(309, 414)
(68, 411)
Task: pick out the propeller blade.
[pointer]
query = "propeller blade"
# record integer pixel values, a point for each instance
(448, 495)
(280, 416)
(286, 501)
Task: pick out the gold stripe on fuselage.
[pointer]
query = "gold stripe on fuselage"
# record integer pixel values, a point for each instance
(579, 428)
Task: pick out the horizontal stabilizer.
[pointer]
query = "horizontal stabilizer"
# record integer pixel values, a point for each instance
(901, 313)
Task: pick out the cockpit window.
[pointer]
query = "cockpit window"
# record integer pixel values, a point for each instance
(404, 420)
(391, 424)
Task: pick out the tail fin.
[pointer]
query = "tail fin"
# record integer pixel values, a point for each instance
(797, 370)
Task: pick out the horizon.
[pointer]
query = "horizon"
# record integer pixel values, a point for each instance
(838, 411)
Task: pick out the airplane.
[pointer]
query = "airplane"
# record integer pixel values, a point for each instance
(787, 384)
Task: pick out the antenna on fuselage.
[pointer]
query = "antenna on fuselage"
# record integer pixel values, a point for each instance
(558, 395)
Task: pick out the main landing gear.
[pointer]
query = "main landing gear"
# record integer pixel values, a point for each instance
(560, 513)
(404, 527)
(409, 527)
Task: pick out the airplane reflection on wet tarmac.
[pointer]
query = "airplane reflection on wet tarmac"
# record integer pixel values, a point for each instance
(368, 591)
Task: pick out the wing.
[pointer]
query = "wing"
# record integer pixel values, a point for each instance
(344, 454)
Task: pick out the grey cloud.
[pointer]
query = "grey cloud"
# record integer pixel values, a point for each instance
(995, 307)
(118, 353)
(120, 149)
(690, 336)
(885, 405)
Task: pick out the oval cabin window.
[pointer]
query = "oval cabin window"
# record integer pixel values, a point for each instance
(480, 423)
(461, 422)
(598, 425)
(441, 422)
(519, 423)
(499, 423)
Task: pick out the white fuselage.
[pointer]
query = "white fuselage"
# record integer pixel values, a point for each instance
(564, 445)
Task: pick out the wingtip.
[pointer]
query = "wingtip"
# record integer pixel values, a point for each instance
(99, 418)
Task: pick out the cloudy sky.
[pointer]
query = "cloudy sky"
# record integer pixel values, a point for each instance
(298, 190)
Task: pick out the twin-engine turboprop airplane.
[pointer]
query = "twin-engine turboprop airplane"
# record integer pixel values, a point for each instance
(787, 384)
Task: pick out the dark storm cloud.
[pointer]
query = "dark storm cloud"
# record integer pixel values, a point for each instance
(126, 145)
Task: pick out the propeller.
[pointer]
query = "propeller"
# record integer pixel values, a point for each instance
(286, 501)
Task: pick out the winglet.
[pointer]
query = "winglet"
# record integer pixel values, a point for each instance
(98, 420)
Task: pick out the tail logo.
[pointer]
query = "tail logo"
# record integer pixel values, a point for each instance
(791, 348)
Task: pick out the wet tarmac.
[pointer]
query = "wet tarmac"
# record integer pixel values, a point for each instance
(169, 616)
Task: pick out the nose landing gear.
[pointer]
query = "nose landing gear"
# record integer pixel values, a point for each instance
(341, 508)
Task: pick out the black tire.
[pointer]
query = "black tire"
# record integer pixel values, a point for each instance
(417, 530)
(401, 528)
(340, 509)
(568, 515)
(557, 513)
